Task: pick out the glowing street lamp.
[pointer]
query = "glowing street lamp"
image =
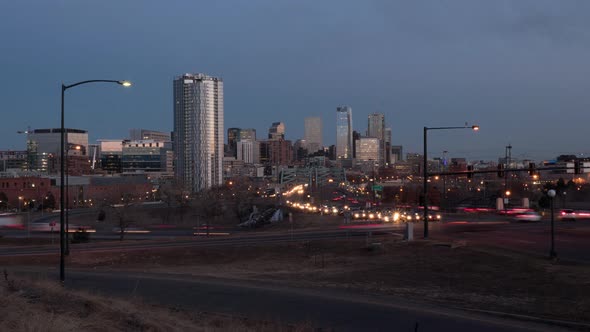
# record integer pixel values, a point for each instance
(62, 169)
(425, 171)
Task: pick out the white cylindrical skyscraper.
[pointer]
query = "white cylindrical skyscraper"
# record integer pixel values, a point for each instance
(198, 131)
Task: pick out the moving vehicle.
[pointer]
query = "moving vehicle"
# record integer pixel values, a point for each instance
(419, 216)
(54, 227)
(11, 220)
(573, 215)
(528, 216)
(567, 214)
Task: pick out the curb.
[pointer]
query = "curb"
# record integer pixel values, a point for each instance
(555, 322)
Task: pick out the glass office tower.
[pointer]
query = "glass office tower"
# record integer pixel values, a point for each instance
(344, 132)
(376, 129)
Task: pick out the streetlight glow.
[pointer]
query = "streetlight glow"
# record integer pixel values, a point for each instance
(425, 168)
(125, 83)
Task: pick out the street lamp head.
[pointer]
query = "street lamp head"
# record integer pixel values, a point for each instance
(551, 193)
(125, 83)
(475, 127)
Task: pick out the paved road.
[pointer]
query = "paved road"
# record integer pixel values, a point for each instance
(340, 310)
(244, 239)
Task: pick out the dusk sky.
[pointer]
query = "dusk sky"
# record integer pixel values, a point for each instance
(519, 69)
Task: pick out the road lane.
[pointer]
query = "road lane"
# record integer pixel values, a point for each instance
(340, 310)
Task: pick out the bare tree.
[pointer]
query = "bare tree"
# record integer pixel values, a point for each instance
(171, 194)
(241, 196)
(120, 205)
(209, 204)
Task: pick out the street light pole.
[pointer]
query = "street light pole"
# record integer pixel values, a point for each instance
(62, 272)
(67, 252)
(444, 180)
(62, 172)
(551, 193)
(425, 189)
(425, 170)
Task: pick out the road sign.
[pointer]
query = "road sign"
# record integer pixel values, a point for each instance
(377, 187)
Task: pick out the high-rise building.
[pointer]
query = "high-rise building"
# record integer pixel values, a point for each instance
(355, 136)
(344, 132)
(376, 129)
(387, 139)
(248, 133)
(198, 131)
(276, 131)
(248, 151)
(276, 152)
(233, 136)
(300, 151)
(397, 153)
(376, 126)
(367, 153)
(367, 149)
(313, 134)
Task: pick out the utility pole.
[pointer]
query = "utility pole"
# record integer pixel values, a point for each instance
(444, 179)
(507, 157)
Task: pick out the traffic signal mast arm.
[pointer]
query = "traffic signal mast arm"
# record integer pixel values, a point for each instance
(579, 168)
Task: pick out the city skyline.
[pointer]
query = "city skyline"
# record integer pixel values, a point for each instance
(524, 68)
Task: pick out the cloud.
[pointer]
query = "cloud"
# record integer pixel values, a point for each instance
(556, 22)
(473, 20)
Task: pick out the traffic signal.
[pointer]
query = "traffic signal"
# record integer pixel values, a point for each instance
(532, 170)
(469, 171)
(500, 170)
(577, 168)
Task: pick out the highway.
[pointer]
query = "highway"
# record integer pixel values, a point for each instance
(571, 238)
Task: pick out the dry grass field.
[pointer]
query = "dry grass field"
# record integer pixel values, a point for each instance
(31, 305)
(441, 273)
